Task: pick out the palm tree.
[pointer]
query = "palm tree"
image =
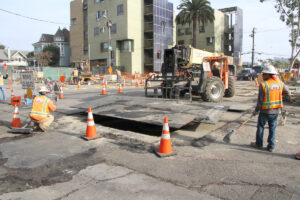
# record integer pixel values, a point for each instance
(195, 11)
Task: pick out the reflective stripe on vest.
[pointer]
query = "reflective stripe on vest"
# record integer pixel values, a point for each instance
(1, 80)
(42, 112)
(273, 96)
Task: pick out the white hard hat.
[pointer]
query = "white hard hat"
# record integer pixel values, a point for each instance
(43, 89)
(269, 69)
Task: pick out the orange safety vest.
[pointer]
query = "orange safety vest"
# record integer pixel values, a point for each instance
(40, 108)
(273, 94)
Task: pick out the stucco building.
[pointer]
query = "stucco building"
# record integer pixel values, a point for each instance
(140, 30)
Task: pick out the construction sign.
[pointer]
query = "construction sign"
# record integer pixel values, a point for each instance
(27, 80)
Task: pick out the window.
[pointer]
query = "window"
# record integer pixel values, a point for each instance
(102, 29)
(85, 19)
(180, 42)
(188, 31)
(210, 40)
(97, 1)
(98, 15)
(62, 50)
(113, 29)
(126, 45)
(104, 47)
(120, 10)
(201, 29)
(96, 31)
(85, 35)
(180, 31)
(73, 21)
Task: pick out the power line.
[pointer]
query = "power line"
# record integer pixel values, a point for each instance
(32, 18)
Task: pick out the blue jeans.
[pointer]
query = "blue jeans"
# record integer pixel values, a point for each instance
(3, 93)
(272, 121)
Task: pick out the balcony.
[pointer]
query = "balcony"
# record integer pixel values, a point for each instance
(148, 44)
(148, 10)
(148, 27)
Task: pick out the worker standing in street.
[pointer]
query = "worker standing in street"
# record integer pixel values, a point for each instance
(75, 76)
(118, 75)
(2, 89)
(269, 104)
(41, 108)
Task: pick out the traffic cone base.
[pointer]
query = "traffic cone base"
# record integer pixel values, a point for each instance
(91, 133)
(298, 156)
(165, 146)
(16, 121)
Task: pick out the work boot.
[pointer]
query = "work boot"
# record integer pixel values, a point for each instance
(253, 144)
(269, 149)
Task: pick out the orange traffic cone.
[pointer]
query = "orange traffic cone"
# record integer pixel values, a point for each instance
(250, 78)
(123, 84)
(165, 147)
(103, 82)
(61, 95)
(78, 85)
(132, 82)
(105, 85)
(120, 89)
(298, 156)
(91, 128)
(137, 84)
(148, 84)
(103, 91)
(16, 122)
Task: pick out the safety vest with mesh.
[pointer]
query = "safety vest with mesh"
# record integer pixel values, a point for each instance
(41, 108)
(1, 80)
(273, 94)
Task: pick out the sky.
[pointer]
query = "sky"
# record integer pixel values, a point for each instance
(19, 33)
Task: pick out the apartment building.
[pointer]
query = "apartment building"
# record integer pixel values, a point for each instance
(224, 35)
(139, 31)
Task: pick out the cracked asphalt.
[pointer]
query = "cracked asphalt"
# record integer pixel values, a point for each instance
(121, 164)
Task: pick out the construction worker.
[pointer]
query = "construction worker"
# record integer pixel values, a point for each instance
(118, 75)
(41, 108)
(269, 104)
(75, 76)
(2, 97)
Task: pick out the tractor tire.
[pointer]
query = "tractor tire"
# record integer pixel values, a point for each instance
(231, 87)
(214, 90)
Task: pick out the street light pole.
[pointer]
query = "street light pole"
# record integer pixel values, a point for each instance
(109, 25)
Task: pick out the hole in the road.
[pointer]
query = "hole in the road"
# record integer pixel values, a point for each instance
(128, 125)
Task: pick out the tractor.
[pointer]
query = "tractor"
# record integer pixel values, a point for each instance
(197, 72)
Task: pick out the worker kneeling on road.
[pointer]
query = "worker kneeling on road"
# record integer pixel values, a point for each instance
(269, 104)
(41, 109)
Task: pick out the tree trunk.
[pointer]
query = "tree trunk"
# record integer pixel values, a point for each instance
(194, 31)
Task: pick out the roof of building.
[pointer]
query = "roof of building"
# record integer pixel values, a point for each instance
(4, 53)
(64, 33)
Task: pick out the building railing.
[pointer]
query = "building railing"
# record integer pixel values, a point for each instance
(148, 44)
(148, 26)
(148, 10)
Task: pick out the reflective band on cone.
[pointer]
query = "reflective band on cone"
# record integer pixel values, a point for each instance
(16, 121)
(103, 91)
(91, 128)
(165, 147)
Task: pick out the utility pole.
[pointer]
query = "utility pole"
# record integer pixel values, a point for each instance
(253, 50)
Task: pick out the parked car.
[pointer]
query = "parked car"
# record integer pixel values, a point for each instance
(246, 74)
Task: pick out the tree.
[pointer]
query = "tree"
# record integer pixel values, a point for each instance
(289, 11)
(44, 58)
(195, 11)
(30, 54)
(55, 54)
(2, 46)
